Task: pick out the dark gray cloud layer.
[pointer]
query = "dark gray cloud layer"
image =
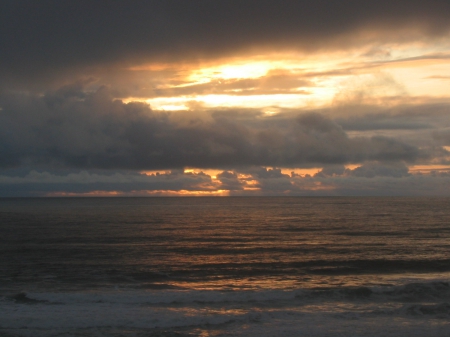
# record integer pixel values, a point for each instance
(41, 183)
(73, 129)
(48, 36)
(372, 178)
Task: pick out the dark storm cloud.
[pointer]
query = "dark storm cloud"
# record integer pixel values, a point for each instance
(419, 124)
(371, 178)
(412, 185)
(71, 128)
(229, 181)
(331, 170)
(383, 121)
(37, 37)
(265, 173)
(375, 169)
(36, 183)
(442, 137)
(366, 170)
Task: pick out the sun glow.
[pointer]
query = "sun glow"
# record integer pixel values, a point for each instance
(291, 80)
(86, 194)
(210, 172)
(429, 168)
(186, 193)
(238, 70)
(300, 171)
(229, 101)
(143, 193)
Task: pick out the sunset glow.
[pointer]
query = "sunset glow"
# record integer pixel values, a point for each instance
(282, 108)
(219, 168)
(300, 81)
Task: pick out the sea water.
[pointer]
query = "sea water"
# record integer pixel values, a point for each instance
(239, 266)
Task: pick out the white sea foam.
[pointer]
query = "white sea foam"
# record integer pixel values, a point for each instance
(103, 319)
(333, 312)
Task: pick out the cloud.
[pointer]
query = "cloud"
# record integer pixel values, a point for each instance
(331, 170)
(439, 77)
(383, 121)
(366, 79)
(369, 89)
(428, 57)
(50, 38)
(230, 181)
(442, 137)
(41, 183)
(376, 169)
(72, 129)
(274, 82)
(370, 178)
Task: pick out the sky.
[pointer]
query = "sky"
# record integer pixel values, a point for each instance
(224, 98)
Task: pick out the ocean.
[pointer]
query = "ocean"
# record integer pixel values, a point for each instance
(233, 266)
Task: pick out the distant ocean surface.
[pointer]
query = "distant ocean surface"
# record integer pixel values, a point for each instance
(239, 266)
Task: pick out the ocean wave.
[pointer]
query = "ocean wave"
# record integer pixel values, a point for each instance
(407, 293)
(435, 290)
(440, 310)
(403, 310)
